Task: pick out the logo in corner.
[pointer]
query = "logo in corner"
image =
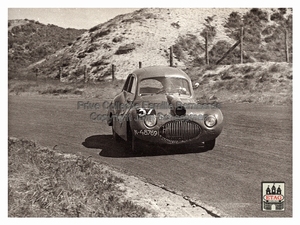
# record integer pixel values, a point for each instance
(273, 198)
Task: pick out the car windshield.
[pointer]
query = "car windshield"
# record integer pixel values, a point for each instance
(164, 85)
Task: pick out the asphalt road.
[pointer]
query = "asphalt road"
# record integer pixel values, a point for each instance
(255, 146)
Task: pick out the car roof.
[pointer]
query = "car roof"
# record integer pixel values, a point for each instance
(159, 71)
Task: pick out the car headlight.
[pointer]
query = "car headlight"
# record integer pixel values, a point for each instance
(210, 121)
(150, 120)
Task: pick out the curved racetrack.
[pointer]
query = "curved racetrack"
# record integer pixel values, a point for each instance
(255, 146)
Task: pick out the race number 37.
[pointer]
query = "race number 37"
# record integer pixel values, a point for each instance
(143, 112)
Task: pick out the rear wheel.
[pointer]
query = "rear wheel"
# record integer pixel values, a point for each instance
(209, 145)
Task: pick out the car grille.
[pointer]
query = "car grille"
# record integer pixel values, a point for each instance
(180, 130)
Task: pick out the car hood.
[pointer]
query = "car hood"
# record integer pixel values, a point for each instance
(168, 104)
(163, 101)
(160, 98)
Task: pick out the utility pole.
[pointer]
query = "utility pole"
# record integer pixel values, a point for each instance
(60, 69)
(85, 73)
(286, 47)
(36, 73)
(241, 44)
(206, 49)
(171, 56)
(113, 72)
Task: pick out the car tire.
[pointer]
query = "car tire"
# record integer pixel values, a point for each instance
(133, 142)
(116, 137)
(209, 145)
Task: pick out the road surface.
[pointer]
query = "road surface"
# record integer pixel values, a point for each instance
(255, 146)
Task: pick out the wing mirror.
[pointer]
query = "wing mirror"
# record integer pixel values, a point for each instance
(196, 85)
(128, 96)
(128, 99)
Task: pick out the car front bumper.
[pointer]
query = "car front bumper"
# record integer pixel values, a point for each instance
(176, 132)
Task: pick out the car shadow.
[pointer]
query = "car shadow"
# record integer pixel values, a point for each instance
(110, 148)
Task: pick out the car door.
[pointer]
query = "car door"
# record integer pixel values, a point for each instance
(124, 101)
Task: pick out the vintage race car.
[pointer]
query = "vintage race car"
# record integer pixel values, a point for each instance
(157, 105)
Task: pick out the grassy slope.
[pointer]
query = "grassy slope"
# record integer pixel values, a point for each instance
(45, 183)
(269, 83)
(30, 41)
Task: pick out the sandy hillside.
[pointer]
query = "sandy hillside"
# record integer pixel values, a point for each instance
(144, 35)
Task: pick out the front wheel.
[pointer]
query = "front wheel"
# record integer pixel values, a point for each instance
(116, 137)
(209, 145)
(133, 142)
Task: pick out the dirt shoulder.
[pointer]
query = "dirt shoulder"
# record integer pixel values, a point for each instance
(44, 182)
(161, 202)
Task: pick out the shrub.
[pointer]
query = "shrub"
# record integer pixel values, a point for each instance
(125, 49)
(219, 49)
(268, 30)
(226, 76)
(92, 49)
(117, 39)
(175, 25)
(186, 47)
(64, 60)
(263, 78)
(100, 62)
(94, 28)
(79, 71)
(249, 76)
(178, 52)
(100, 34)
(65, 63)
(20, 87)
(98, 69)
(81, 55)
(274, 68)
(211, 67)
(150, 16)
(106, 46)
(246, 69)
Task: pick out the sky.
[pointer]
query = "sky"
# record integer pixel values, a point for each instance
(86, 14)
(79, 18)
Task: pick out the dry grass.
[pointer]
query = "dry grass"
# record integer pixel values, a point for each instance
(45, 183)
(54, 87)
(268, 83)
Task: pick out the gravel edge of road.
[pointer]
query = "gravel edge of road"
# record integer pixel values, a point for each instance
(161, 201)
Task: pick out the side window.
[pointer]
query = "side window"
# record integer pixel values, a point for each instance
(125, 88)
(132, 85)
